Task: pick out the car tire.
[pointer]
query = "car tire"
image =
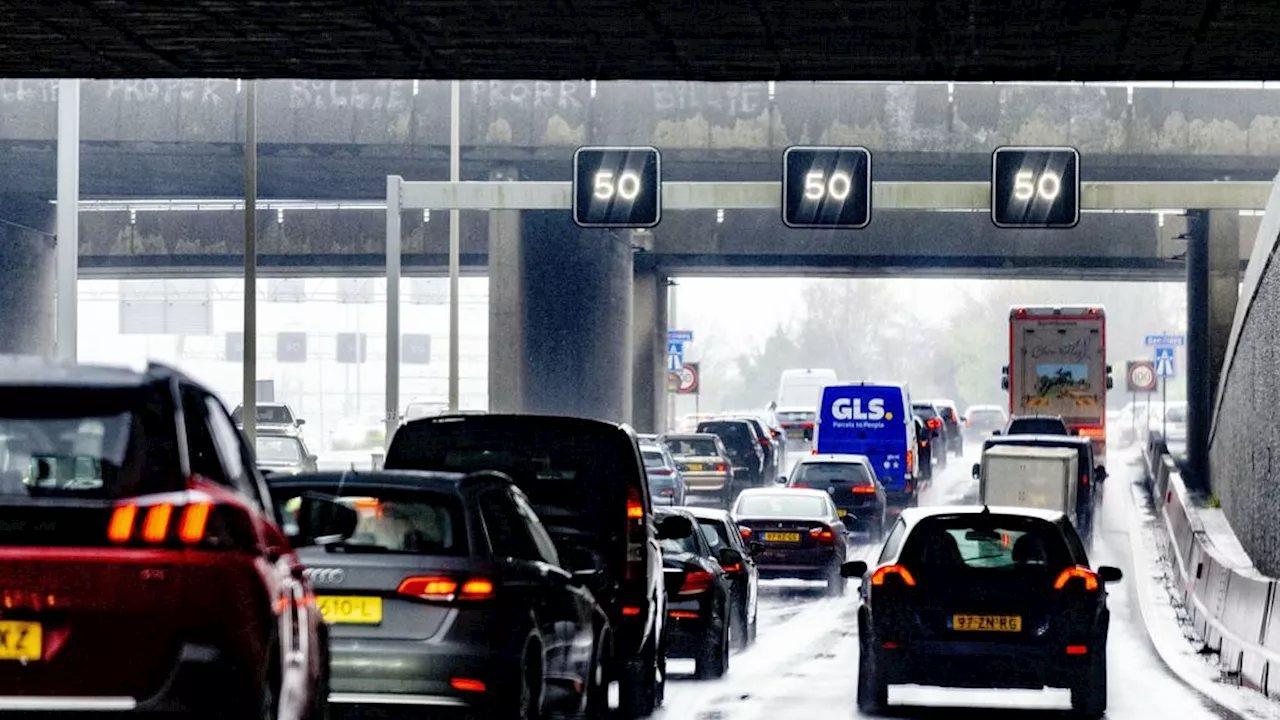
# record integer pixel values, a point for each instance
(638, 694)
(753, 628)
(1089, 695)
(873, 691)
(835, 581)
(741, 628)
(712, 661)
(523, 699)
(595, 702)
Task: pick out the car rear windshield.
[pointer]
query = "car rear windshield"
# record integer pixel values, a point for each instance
(986, 417)
(653, 459)
(266, 414)
(575, 474)
(736, 436)
(395, 522)
(1037, 426)
(692, 447)
(715, 533)
(796, 417)
(925, 411)
(270, 449)
(781, 505)
(822, 475)
(86, 443)
(990, 542)
(686, 544)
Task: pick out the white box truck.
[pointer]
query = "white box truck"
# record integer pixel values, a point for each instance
(1028, 476)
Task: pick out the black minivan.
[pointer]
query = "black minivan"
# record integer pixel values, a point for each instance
(745, 447)
(587, 484)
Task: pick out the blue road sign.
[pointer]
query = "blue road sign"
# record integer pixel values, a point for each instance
(1164, 362)
(675, 348)
(675, 362)
(1167, 340)
(679, 336)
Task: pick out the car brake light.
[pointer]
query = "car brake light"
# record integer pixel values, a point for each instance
(683, 614)
(906, 486)
(630, 611)
(744, 531)
(878, 577)
(446, 589)
(736, 567)
(1091, 432)
(1077, 649)
(1084, 479)
(1079, 571)
(864, 489)
(800, 484)
(466, 685)
(157, 521)
(635, 511)
(934, 423)
(696, 582)
(822, 534)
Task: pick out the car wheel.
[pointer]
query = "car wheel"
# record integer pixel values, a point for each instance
(741, 628)
(873, 692)
(835, 581)
(638, 694)
(713, 657)
(1089, 695)
(595, 705)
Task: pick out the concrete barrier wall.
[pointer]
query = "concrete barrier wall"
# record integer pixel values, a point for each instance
(1233, 609)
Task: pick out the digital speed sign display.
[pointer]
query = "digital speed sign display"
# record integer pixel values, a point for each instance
(1035, 187)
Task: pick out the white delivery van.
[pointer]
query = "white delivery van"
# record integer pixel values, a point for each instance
(1027, 476)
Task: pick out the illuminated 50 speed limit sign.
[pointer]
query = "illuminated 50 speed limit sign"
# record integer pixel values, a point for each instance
(1035, 187)
(617, 187)
(826, 187)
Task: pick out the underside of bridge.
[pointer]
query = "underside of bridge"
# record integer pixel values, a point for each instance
(804, 39)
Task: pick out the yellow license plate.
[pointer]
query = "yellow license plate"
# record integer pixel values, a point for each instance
(695, 468)
(987, 623)
(781, 537)
(350, 610)
(795, 433)
(842, 512)
(21, 640)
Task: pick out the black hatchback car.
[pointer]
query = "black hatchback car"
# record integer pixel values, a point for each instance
(983, 598)
(851, 482)
(587, 484)
(449, 593)
(700, 602)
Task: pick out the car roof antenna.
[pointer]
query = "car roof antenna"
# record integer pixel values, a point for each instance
(986, 510)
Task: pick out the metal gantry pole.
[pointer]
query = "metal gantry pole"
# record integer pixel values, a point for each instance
(393, 307)
(455, 240)
(249, 361)
(68, 217)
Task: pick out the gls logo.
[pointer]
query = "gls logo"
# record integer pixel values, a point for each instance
(846, 409)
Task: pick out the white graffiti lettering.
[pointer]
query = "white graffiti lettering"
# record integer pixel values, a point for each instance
(539, 94)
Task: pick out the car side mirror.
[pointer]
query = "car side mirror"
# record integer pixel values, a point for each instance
(782, 479)
(995, 432)
(1109, 574)
(313, 458)
(301, 422)
(977, 471)
(674, 527)
(582, 561)
(756, 549)
(853, 569)
(1100, 472)
(730, 558)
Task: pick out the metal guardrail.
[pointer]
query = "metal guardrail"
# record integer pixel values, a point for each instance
(1232, 608)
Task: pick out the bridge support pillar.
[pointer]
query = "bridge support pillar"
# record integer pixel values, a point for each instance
(28, 276)
(1213, 288)
(649, 337)
(560, 304)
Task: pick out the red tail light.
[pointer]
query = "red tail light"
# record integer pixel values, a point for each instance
(1077, 649)
(467, 685)
(1084, 479)
(864, 489)
(736, 567)
(158, 522)
(744, 531)
(907, 486)
(934, 423)
(635, 511)
(1079, 571)
(878, 577)
(662, 471)
(806, 425)
(695, 582)
(800, 484)
(721, 467)
(822, 535)
(446, 589)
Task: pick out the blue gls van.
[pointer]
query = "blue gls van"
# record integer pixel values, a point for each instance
(873, 419)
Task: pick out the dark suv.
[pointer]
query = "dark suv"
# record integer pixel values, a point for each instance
(745, 447)
(587, 484)
(142, 563)
(937, 429)
(955, 427)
